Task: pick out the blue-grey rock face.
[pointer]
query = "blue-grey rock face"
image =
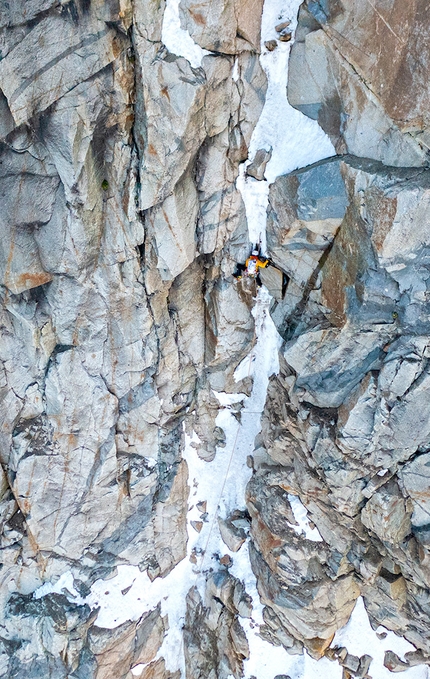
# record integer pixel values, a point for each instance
(321, 193)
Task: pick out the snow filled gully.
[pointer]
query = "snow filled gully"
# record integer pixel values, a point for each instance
(295, 141)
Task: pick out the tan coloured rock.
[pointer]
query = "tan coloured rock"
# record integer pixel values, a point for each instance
(257, 168)
(386, 514)
(156, 670)
(128, 645)
(226, 26)
(174, 224)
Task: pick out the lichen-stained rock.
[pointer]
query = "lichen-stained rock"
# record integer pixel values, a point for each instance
(369, 100)
(27, 343)
(226, 26)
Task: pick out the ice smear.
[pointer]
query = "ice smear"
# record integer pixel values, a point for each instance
(177, 40)
(235, 71)
(255, 195)
(301, 516)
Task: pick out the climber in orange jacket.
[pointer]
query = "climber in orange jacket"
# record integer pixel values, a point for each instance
(252, 266)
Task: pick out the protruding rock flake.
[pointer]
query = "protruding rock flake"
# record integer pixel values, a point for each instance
(177, 39)
(214, 339)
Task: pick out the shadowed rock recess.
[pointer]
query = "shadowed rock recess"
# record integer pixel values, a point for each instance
(121, 224)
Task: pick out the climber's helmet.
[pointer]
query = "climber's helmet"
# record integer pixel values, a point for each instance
(255, 252)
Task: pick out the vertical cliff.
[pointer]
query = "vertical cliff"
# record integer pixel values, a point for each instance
(148, 527)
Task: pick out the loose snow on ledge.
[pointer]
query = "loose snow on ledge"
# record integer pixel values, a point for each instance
(177, 40)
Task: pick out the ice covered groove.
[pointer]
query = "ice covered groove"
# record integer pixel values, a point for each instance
(296, 141)
(177, 40)
(255, 195)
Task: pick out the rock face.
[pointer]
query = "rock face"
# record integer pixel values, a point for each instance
(119, 218)
(121, 224)
(214, 640)
(357, 73)
(346, 423)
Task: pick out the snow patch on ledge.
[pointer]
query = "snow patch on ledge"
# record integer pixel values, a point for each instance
(64, 585)
(226, 400)
(301, 516)
(177, 40)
